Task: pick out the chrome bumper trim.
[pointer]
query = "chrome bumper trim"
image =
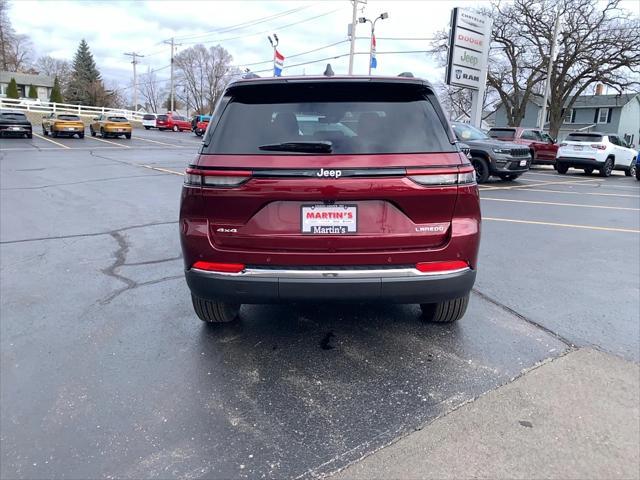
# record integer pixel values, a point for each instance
(363, 273)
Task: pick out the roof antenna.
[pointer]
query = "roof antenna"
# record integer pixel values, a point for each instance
(328, 72)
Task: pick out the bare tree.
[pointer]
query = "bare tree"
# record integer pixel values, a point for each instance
(15, 50)
(203, 74)
(56, 68)
(457, 101)
(152, 90)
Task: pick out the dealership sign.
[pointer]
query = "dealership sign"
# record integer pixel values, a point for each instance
(469, 41)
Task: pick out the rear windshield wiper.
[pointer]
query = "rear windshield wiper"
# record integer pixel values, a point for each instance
(307, 147)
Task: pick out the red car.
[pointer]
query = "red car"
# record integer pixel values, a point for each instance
(543, 147)
(330, 189)
(172, 121)
(201, 125)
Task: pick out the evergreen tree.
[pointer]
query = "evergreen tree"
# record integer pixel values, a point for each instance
(12, 89)
(33, 92)
(56, 93)
(86, 85)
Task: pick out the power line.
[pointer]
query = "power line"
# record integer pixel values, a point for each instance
(294, 55)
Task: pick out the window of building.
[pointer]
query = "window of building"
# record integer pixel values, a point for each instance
(603, 115)
(570, 115)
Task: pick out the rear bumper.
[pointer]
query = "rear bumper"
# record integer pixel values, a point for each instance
(579, 162)
(275, 286)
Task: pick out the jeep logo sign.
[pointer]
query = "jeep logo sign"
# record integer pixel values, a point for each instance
(329, 173)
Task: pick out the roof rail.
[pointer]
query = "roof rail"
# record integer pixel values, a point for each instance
(406, 74)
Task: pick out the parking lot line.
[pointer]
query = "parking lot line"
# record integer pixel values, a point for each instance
(542, 184)
(165, 170)
(599, 194)
(52, 141)
(161, 143)
(559, 204)
(107, 141)
(565, 225)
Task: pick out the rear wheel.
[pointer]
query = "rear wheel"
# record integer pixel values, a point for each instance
(607, 168)
(81, 135)
(44, 131)
(445, 312)
(214, 312)
(588, 170)
(562, 169)
(631, 171)
(29, 135)
(92, 132)
(482, 169)
(147, 128)
(127, 136)
(175, 128)
(102, 134)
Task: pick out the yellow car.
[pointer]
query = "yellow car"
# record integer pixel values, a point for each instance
(110, 126)
(62, 124)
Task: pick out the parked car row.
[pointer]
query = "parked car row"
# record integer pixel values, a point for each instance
(177, 123)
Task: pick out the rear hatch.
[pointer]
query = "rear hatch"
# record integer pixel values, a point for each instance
(582, 145)
(68, 123)
(328, 166)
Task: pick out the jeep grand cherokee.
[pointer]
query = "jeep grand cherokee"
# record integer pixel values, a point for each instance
(331, 188)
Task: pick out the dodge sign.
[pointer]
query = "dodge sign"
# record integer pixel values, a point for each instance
(468, 49)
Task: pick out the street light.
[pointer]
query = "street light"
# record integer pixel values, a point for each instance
(382, 16)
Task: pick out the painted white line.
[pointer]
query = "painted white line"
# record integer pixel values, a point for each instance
(541, 184)
(568, 192)
(558, 204)
(161, 143)
(566, 225)
(52, 141)
(107, 141)
(165, 170)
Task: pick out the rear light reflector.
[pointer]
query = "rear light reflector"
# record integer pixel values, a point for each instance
(598, 146)
(431, 267)
(216, 178)
(440, 176)
(219, 267)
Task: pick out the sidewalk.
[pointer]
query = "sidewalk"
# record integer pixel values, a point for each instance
(574, 418)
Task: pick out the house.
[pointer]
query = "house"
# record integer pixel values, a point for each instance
(619, 114)
(43, 84)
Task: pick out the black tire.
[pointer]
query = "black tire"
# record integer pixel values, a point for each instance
(631, 171)
(637, 172)
(147, 128)
(508, 177)
(92, 131)
(81, 135)
(102, 134)
(214, 312)
(588, 170)
(127, 136)
(607, 168)
(562, 169)
(29, 135)
(54, 134)
(482, 169)
(176, 128)
(44, 131)
(445, 312)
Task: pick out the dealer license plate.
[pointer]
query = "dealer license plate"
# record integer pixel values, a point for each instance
(577, 147)
(70, 129)
(523, 163)
(16, 129)
(121, 129)
(329, 219)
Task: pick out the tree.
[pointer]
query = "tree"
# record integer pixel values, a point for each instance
(177, 105)
(204, 73)
(54, 67)
(15, 50)
(33, 92)
(12, 89)
(56, 92)
(151, 90)
(456, 101)
(85, 85)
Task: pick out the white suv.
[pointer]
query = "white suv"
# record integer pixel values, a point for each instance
(149, 120)
(595, 151)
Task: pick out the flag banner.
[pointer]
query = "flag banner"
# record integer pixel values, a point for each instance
(374, 60)
(278, 64)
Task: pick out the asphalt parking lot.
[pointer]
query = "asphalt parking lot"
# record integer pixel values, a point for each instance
(106, 371)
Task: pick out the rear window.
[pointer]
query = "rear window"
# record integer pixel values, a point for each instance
(69, 118)
(117, 119)
(162, 118)
(351, 118)
(149, 117)
(502, 133)
(584, 137)
(16, 117)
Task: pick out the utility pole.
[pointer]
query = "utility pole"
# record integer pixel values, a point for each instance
(133, 56)
(274, 45)
(552, 59)
(172, 95)
(372, 41)
(353, 35)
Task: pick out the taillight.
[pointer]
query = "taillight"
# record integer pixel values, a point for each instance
(442, 177)
(215, 178)
(599, 146)
(432, 267)
(219, 267)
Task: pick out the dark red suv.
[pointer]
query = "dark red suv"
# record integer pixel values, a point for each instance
(331, 188)
(172, 121)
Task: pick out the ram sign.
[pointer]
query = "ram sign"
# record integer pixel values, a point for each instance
(468, 49)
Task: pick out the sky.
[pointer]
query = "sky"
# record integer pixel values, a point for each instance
(114, 27)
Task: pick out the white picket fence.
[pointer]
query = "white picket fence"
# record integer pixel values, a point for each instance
(38, 106)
